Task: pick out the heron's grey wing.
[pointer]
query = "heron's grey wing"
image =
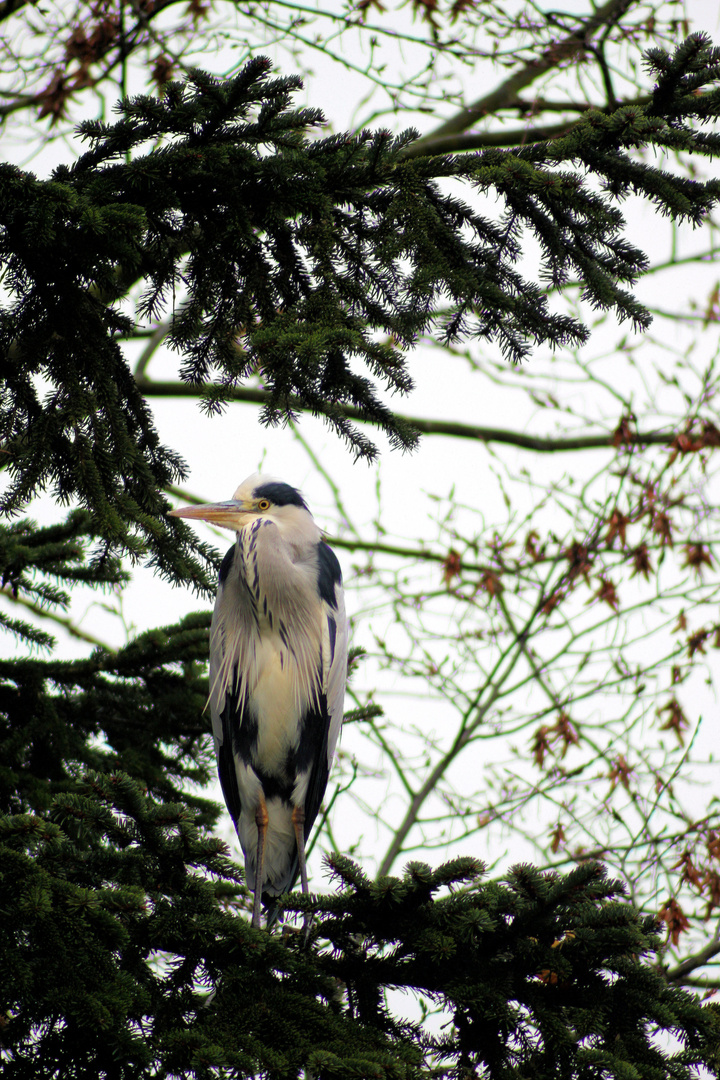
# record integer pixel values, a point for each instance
(337, 669)
(327, 718)
(226, 703)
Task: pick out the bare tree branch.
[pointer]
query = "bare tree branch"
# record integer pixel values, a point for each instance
(479, 140)
(61, 620)
(537, 443)
(507, 93)
(691, 963)
(113, 45)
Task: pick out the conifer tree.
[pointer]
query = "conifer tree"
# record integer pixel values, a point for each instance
(302, 257)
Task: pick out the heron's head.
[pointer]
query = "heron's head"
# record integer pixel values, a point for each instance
(257, 497)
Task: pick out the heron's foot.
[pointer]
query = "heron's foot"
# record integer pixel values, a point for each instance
(297, 936)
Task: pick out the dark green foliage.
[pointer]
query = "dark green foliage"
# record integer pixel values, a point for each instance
(120, 912)
(58, 555)
(121, 917)
(543, 975)
(296, 258)
(139, 709)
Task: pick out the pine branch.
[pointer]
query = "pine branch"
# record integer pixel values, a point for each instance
(534, 969)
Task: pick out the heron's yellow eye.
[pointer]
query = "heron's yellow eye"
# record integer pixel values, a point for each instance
(263, 504)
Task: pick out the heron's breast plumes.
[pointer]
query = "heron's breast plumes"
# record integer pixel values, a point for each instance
(267, 635)
(276, 701)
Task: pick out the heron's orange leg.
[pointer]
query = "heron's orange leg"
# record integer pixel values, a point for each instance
(298, 820)
(261, 820)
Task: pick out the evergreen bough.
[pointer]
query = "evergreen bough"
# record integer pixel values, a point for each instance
(303, 260)
(120, 920)
(300, 259)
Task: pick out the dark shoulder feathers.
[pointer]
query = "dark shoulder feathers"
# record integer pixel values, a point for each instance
(226, 564)
(329, 574)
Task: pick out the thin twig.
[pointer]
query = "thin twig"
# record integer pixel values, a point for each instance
(61, 620)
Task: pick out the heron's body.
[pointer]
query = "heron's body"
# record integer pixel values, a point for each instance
(278, 660)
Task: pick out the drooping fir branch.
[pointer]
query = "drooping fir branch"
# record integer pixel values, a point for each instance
(315, 262)
(37, 564)
(93, 897)
(139, 708)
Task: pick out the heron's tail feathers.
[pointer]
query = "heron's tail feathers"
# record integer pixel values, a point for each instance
(272, 911)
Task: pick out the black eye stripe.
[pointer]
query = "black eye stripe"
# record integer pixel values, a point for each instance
(279, 494)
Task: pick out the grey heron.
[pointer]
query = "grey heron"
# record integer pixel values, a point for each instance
(278, 665)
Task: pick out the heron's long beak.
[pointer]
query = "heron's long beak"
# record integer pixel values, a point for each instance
(226, 514)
